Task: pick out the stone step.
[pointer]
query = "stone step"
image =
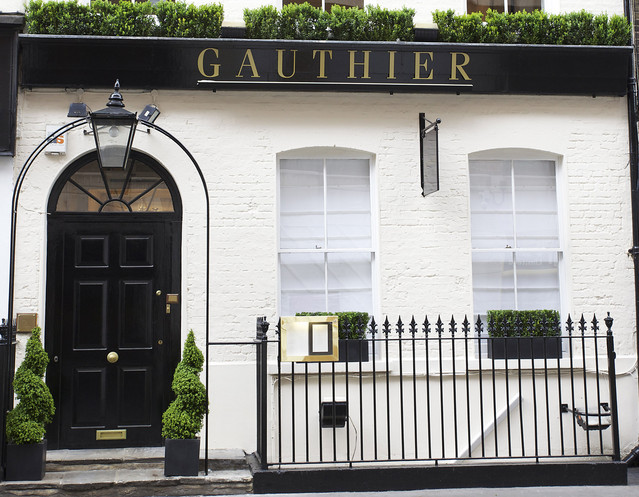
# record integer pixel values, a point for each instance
(131, 483)
(134, 472)
(135, 458)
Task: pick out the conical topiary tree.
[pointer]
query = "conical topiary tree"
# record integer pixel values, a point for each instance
(183, 418)
(25, 423)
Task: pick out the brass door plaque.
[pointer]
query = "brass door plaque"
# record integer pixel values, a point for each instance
(110, 434)
(172, 298)
(26, 321)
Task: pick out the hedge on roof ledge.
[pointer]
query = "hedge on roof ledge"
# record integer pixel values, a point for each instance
(305, 22)
(103, 18)
(537, 27)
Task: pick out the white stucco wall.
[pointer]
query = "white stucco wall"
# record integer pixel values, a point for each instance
(423, 244)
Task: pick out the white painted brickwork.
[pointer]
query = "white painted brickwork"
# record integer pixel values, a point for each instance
(424, 260)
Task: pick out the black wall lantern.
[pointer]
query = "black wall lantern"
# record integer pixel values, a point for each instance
(113, 129)
(429, 154)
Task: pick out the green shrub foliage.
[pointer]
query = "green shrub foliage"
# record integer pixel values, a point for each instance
(262, 22)
(183, 418)
(305, 22)
(504, 323)
(176, 19)
(537, 27)
(26, 422)
(351, 325)
(103, 18)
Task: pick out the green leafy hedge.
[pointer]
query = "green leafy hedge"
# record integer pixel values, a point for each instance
(103, 18)
(183, 418)
(537, 27)
(305, 22)
(26, 422)
(351, 325)
(504, 323)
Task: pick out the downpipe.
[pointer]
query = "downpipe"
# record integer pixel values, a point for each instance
(633, 457)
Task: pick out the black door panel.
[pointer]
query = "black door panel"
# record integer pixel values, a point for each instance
(108, 296)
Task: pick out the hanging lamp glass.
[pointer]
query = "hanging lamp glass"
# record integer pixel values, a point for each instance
(113, 129)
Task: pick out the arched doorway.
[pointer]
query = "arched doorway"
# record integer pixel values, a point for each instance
(113, 257)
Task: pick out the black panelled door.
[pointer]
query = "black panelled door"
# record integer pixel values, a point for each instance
(114, 344)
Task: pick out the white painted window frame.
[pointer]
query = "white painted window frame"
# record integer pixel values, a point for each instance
(334, 154)
(506, 6)
(562, 250)
(325, 1)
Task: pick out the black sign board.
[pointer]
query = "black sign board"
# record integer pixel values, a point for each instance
(429, 154)
(162, 63)
(8, 82)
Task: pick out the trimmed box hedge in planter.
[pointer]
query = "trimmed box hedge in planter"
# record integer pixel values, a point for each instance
(26, 450)
(182, 420)
(524, 334)
(353, 346)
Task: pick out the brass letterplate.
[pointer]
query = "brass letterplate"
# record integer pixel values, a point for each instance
(110, 434)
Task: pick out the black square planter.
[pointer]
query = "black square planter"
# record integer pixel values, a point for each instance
(357, 350)
(26, 462)
(181, 457)
(529, 348)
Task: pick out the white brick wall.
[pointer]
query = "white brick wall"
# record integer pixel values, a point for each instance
(424, 260)
(424, 243)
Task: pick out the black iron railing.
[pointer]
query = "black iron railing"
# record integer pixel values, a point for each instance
(430, 393)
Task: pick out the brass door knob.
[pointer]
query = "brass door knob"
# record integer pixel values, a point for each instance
(113, 357)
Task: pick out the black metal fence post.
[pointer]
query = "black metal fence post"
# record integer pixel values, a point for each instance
(7, 361)
(612, 379)
(261, 366)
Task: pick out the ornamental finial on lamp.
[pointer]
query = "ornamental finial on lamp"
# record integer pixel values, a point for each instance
(115, 99)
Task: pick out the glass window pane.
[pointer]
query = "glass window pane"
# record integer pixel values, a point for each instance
(86, 190)
(89, 178)
(527, 5)
(302, 283)
(314, 3)
(483, 5)
(157, 199)
(537, 280)
(72, 199)
(328, 4)
(143, 181)
(491, 204)
(493, 281)
(536, 204)
(301, 204)
(116, 177)
(350, 283)
(348, 203)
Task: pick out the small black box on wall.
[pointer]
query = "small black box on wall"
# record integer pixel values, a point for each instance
(333, 414)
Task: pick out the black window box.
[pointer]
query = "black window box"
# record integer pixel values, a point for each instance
(528, 348)
(357, 350)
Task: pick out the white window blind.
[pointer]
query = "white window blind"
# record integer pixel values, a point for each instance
(516, 248)
(325, 244)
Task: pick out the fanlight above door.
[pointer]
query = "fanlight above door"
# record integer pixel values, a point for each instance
(136, 189)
